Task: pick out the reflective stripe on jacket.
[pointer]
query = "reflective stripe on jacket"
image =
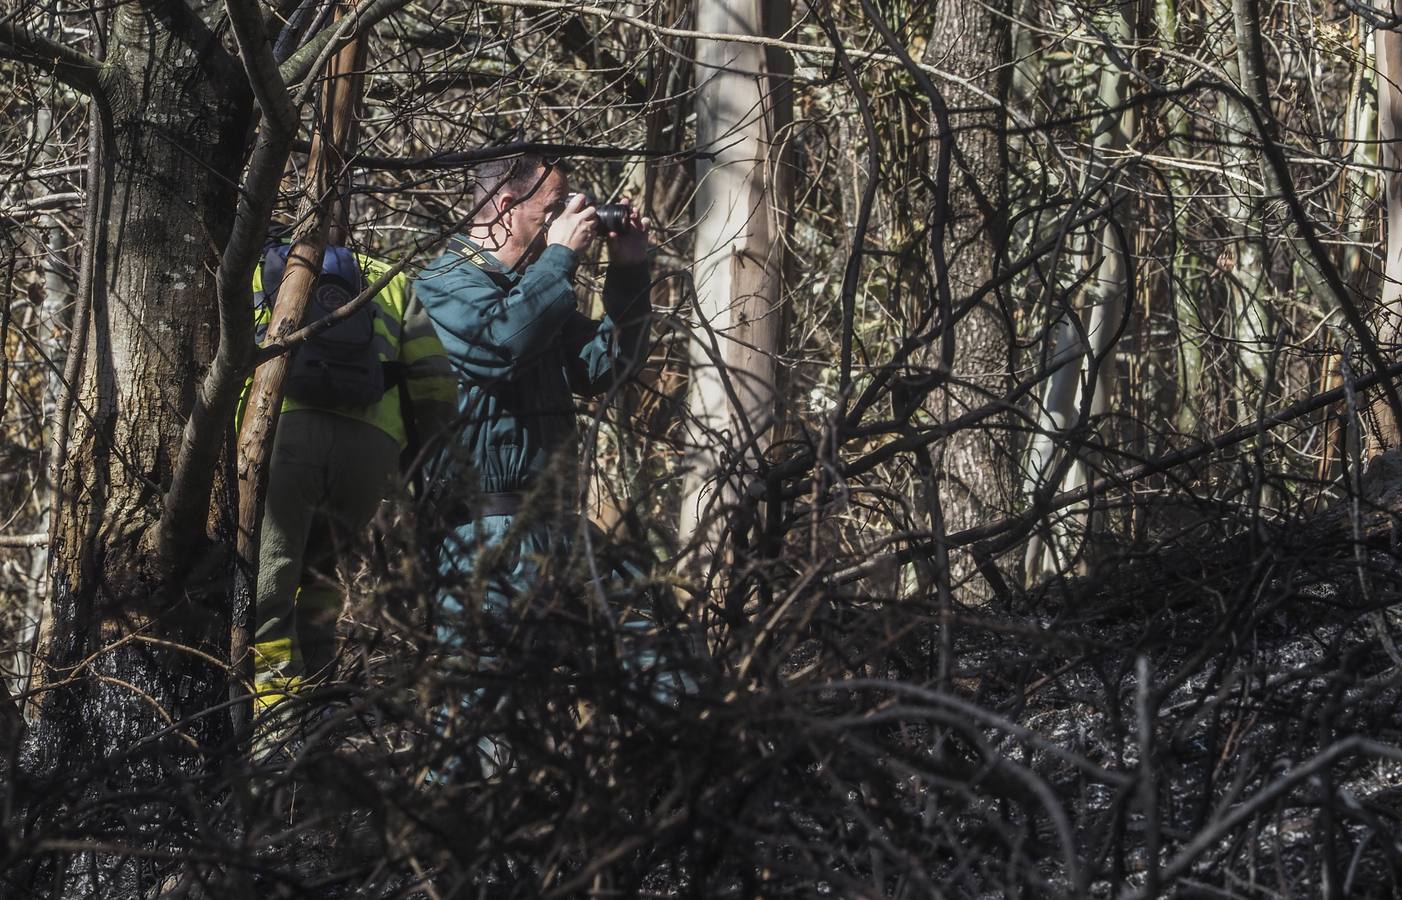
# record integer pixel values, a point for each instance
(405, 338)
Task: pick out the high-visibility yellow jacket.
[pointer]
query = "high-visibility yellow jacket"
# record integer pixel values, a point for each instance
(404, 335)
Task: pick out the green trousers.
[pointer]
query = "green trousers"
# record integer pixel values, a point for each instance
(326, 476)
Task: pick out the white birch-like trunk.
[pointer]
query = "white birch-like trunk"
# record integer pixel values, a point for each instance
(1250, 317)
(1088, 332)
(738, 261)
(53, 245)
(1363, 153)
(1360, 135)
(1389, 59)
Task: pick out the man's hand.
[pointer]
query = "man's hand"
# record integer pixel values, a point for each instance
(630, 248)
(574, 227)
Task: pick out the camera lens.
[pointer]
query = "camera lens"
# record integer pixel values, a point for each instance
(613, 217)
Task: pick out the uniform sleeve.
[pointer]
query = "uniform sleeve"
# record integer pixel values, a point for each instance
(605, 352)
(491, 332)
(428, 375)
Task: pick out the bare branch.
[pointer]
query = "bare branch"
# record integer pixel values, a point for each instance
(314, 54)
(1012, 529)
(23, 540)
(465, 158)
(822, 50)
(256, 53)
(71, 66)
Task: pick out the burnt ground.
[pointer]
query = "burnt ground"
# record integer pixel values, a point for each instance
(1215, 716)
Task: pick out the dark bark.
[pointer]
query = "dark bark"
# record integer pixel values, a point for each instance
(976, 465)
(132, 680)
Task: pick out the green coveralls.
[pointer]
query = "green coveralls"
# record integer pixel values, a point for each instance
(521, 351)
(329, 470)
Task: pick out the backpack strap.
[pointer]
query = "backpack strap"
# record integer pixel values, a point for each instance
(473, 254)
(274, 267)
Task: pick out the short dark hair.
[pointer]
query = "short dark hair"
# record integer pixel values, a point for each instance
(519, 174)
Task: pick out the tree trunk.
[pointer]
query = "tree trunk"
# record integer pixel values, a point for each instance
(324, 217)
(1251, 316)
(742, 112)
(131, 705)
(54, 313)
(1090, 331)
(975, 466)
(1389, 60)
(1355, 218)
(1192, 331)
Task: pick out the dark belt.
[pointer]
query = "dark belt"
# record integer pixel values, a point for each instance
(484, 505)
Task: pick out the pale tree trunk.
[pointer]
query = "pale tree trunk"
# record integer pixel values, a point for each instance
(1025, 84)
(1250, 316)
(974, 468)
(1080, 390)
(1324, 288)
(1360, 135)
(1253, 317)
(53, 314)
(1192, 331)
(1389, 59)
(57, 266)
(742, 113)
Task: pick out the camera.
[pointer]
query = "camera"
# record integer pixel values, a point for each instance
(611, 217)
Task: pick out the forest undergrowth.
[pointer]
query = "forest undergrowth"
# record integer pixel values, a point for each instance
(1215, 718)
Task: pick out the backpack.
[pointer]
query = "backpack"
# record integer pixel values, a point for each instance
(339, 366)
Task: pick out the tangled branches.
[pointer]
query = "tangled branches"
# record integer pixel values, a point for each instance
(1052, 569)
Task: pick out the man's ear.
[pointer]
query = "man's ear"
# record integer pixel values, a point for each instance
(506, 201)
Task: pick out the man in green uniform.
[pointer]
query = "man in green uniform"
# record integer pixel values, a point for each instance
(330, 467)
(504, 301)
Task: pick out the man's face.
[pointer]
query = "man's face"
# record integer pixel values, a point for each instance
(532, 212)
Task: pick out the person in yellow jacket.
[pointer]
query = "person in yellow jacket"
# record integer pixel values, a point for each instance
(331, 465)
